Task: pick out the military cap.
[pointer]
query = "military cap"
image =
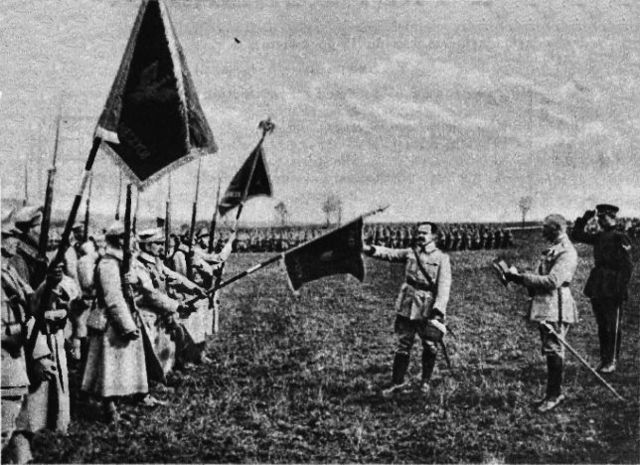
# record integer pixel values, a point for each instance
(157, 236)
(78, 225)
(116, 229)
(146, 233)
(607, 209)
(28, 216)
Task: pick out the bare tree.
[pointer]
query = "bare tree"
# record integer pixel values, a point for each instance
(282, 213)
(525, 203)
(332, 206)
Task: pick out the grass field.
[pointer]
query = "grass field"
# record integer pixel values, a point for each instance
(298, 379)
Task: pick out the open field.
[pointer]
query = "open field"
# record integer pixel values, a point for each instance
(297, 379)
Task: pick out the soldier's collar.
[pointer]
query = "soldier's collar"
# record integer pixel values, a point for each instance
(115, 253)
(146, 257)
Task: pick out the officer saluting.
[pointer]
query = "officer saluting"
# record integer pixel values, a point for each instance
(422, 303)
(607, 283)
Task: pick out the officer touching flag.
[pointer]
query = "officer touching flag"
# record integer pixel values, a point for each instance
(608, 281)
(422, 303)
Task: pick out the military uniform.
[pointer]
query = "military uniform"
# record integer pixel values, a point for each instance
(419, 301)
(552, 304)
(18, 302)
(607, 283)
(116, 363)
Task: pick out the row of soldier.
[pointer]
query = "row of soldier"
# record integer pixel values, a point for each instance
(87, 327)
(397, 236)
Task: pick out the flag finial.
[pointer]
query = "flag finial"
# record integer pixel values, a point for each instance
(267, 126)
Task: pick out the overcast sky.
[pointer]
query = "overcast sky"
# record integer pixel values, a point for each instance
(445, 110)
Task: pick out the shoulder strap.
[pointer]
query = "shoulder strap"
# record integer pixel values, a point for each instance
(422, 270)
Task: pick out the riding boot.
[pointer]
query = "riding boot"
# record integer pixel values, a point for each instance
(554, 376)
(400, 366)
(428, 363)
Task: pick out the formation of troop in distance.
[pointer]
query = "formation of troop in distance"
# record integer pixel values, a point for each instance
(115, 312)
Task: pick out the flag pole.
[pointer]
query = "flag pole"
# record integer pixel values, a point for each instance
(246, 272)
(267, 127)
(87, 211)
(582, 360)
(220, 284)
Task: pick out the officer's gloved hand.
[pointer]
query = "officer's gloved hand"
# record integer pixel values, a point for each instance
(514, 277)
(55, 275)
(44, 369)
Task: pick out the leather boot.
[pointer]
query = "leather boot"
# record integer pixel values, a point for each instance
(428, 363)
(554, 376)
(400, 366)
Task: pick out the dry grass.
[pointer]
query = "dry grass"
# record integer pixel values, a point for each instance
(297, 379)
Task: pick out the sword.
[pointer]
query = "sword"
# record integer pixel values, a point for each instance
(583, 361)
(446, 355)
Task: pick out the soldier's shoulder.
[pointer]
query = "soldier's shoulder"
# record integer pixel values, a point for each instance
(10, 244)
(440, 254)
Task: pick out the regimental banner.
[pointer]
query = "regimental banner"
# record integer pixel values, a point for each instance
(152, 121)
(339, 251)
(252, 178)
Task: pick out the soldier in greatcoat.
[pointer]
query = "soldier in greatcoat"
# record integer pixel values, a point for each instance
(608, 281)
(552, 302)
(19, 302)
(21, 242)
(168, 339)
(116, 365)
(421, 305)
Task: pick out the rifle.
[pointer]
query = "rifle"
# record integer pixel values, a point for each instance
(167, 222)
(26, 182)
(214, 220)
(48, 196)
(119, 195)
(40, 327)
(192, 229)
(155, 368)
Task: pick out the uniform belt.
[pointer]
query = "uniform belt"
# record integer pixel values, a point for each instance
(419, 285)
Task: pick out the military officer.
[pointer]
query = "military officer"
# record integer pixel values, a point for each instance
(552, 302)
(608, 281)
(422, 303)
